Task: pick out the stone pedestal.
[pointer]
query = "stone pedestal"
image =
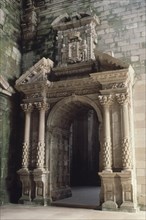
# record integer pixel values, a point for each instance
(40, 177)
(25, 178)
(109, 191)
(129, 203)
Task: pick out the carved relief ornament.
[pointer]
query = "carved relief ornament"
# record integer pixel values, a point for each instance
(27, 107)
(106, 99)
(76, 37)
(122, 98)
(42, 106)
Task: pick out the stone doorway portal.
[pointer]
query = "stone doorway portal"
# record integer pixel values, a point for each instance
(82, 78)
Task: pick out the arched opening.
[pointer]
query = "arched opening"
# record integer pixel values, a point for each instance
(84, 149)
(73, 146)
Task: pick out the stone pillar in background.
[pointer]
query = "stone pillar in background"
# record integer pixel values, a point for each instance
(106, 101)
(40, 174)
(24, 172)
(125, 144)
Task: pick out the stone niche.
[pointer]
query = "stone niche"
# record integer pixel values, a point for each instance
(84, 78)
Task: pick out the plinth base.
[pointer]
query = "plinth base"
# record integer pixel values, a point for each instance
(128, 207)
(109, 206)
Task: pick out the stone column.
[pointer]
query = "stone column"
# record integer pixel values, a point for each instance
(42, 107)
(129, 202)
(106, 101)
(27, 108)
(126, 152)
(40, 174)
(24, 173)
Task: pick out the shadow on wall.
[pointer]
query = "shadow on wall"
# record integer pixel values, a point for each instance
(13, 183)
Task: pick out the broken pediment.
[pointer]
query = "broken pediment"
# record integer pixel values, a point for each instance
(38, 72)
(108, 62)
(103, 62)
(5, 87)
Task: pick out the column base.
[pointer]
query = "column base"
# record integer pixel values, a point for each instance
(41, 201)
(128, 207)
(109, 206)
(63, 193)
(25, 200)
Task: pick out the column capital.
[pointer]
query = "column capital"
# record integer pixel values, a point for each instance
(106, 99)
(122, 98)
(27, 107)
(42, 106)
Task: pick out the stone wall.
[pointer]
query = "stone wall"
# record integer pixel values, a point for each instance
(10, 33)
(121, 32)
(121, 29)
(10, 68)
(139, 134)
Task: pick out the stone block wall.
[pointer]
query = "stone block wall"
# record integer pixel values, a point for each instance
(121, 29)
(10, 69)
(139, 97)
(10, 33)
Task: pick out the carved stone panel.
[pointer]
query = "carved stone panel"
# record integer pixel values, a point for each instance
(76, 38)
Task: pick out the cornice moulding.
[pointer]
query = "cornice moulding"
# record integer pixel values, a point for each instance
(5, 87)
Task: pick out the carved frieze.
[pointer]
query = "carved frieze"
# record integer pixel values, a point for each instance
(115, 85)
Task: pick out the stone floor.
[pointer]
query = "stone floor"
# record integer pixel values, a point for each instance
(23, 212)
(84, 196)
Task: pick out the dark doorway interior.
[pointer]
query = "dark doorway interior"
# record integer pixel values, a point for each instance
(84, 149)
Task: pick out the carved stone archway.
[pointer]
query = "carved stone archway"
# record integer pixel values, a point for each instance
(82, 78)
(57, 141)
